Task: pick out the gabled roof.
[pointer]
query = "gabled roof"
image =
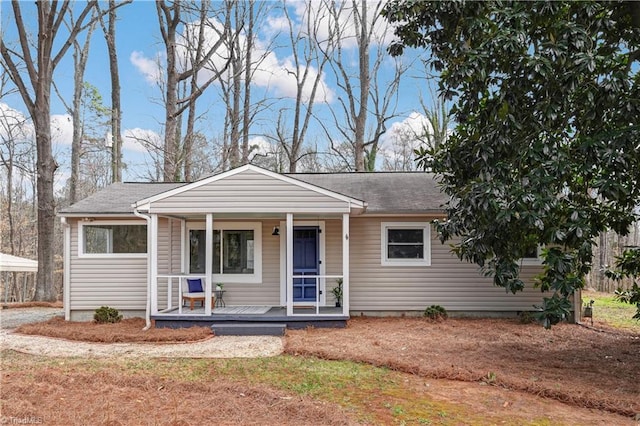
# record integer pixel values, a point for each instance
(117, 198)
(255, 169)
(384, 193)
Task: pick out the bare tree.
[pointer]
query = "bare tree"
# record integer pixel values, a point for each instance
(365, 96)
(180, 70)
(80, 57)
(31, 70)
(309, 60)
(109, 31)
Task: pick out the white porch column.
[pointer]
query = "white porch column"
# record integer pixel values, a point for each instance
(154, 263)
(289, 251)
(209, 264)
(345, 264)
(184, 247)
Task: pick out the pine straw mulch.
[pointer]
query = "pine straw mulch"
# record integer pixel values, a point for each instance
(573, 364)
(127, 330)
(108, 396)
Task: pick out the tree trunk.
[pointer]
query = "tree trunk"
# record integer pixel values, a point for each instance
(246, 109)
(46, 202)
(80, 56)
(365, 79)
(116, 118)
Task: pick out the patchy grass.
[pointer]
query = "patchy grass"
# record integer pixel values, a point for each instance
(573, 364)
(127, 330)
(376, 371)
(76, 391)
(280, 390)
(607, 311)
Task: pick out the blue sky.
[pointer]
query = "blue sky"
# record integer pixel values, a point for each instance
(139, 44)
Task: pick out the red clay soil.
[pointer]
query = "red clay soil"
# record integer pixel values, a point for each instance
(127, 330)
(569, 363)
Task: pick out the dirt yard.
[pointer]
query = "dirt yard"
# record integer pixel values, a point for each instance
(571, 374)
(569, 363)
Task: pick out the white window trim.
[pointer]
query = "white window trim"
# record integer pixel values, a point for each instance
(533, 261)
(83, 223)
(256, 227)
(426, 232)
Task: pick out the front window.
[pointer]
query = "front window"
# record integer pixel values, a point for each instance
(113, 239)
(532, 256)
(235, 252)
(405, 244)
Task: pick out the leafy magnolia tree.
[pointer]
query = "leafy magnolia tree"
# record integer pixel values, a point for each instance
(547, 98)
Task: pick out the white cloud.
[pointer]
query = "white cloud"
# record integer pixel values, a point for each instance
(16, 125)
(151, 69)
(346, 21)
(259, 146)
(270, 72)
(402, 138)
(61, 129)
(141, 140)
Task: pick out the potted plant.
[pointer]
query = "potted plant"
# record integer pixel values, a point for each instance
(337, 293)
(219, 286)
(588, 309)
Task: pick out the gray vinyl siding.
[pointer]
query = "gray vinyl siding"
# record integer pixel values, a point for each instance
(169, 231)
(252, 192)
(118, 282)
(455, 285)
(268, 291)
(458, 286)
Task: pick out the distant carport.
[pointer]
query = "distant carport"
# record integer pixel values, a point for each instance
(10, 265)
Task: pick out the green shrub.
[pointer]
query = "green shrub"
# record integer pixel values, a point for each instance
(435, 312)
(107, 315)
(526, 317)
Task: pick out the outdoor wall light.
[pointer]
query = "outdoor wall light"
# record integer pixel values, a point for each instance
(276, 231)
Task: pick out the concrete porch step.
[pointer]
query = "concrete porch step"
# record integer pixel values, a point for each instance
(248, 329)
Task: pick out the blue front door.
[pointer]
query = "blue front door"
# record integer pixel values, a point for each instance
(305, 262)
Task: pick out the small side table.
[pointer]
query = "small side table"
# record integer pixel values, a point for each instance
(220, 299)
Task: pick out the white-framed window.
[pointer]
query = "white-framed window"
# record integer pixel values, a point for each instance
(405, 243)
(237, 251)
(104, 238)
(532, 256)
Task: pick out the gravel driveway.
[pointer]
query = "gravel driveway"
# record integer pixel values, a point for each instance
(215, 347)
(14, 317)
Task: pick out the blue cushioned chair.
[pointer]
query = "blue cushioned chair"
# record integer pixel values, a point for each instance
(193, 291)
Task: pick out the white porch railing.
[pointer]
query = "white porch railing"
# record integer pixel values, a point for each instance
(174, 292)
(318, 303)
(169, 291)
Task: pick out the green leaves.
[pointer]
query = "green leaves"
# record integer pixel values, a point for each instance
(546, 97)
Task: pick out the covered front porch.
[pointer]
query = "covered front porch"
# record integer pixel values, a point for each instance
(331, 317)
(277, 250)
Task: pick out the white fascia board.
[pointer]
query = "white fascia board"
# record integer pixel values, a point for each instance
(145, 204)
(96, 215)
(164, 210)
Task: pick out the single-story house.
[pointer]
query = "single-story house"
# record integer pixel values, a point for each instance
(278, 243)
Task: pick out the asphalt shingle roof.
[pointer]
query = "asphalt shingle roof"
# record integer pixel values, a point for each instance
(117, 198)
(384, 192)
